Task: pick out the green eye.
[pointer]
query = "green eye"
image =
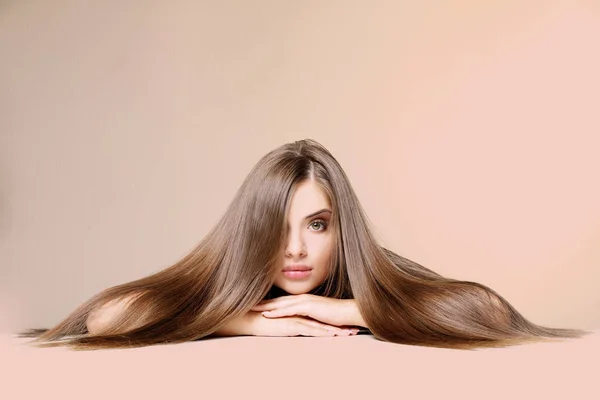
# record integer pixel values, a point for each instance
(320, 222)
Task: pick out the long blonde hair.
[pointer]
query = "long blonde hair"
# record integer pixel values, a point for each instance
(234, 266)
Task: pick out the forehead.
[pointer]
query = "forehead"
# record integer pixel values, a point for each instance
(308, 198)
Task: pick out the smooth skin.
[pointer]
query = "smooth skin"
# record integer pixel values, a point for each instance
(311, 243)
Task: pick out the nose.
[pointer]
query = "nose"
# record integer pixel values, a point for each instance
(295, 246)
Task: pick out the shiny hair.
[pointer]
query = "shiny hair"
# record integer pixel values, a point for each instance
(234, 266)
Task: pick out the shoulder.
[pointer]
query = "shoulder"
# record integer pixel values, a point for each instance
(100, 317)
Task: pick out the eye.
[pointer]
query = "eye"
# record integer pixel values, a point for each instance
(319, 222)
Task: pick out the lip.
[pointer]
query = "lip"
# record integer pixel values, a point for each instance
(297, 274)
(297, 267)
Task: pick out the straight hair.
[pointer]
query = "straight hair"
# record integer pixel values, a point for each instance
(235, 264)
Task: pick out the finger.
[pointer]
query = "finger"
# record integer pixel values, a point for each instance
(337, 330)
(319, 324)
(309, 330)
(324, 329)
(279, 302)
(297, 309)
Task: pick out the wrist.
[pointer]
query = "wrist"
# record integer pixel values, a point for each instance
(250, 323)
(354, 316)
(240, 326)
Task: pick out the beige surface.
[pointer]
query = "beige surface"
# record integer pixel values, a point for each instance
(305, 368)
(470, 134)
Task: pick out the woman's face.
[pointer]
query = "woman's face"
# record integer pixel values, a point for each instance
(310, 241)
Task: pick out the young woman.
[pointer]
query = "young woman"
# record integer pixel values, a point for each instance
(293, 255)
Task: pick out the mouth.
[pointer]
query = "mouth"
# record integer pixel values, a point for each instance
(297, 268)
(297, 274)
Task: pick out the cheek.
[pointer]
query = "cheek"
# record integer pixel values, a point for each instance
(323, 247)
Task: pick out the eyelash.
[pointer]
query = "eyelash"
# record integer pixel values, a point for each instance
(323, 223)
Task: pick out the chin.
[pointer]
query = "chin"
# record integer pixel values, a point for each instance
(296, 289)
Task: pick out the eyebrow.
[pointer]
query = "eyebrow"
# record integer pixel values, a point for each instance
(317, 213)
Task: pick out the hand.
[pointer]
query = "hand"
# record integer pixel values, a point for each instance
(327, 310)
(293, 326)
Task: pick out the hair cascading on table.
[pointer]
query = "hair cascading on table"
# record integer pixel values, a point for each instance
(234, 266)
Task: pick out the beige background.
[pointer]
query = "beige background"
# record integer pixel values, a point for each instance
(469, 130)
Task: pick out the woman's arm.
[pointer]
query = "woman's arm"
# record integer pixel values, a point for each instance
(255, 324)
(250, 324)
(354, 316)
(337, 312)
(239, 326)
